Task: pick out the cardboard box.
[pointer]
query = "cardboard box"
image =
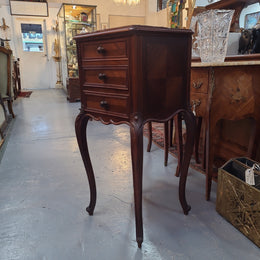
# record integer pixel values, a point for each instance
(237, 201)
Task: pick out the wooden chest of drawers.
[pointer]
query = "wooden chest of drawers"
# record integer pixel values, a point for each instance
(105, 78)
(134, 75)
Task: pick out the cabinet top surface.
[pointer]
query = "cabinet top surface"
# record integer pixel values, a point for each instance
(133, 29)
(238, 60)
(224, 64)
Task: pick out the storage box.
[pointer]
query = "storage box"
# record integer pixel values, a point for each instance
(237, 201)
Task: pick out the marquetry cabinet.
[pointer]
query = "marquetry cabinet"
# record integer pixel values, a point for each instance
(225, 98)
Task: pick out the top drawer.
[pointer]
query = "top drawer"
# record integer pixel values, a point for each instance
(199, 80)
(104, 49)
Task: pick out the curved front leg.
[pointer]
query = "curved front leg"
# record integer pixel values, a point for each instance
(136, 131)
(190, 132)
(81, 128)
(179, 143)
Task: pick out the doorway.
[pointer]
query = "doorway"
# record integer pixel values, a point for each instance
(32, 48)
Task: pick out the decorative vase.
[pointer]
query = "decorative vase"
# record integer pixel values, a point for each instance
(213, 34)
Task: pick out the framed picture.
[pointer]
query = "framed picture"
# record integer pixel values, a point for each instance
(29, 8)
(251, 20)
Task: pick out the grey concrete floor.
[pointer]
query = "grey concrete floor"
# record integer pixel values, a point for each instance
(44, 192)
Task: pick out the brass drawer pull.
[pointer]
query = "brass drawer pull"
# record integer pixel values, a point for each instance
(102, 76)
(101, 50)
(197, 85)
(195, 103)
(104, 104)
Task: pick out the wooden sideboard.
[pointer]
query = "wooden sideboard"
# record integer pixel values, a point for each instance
(133, 75)
(226, 99)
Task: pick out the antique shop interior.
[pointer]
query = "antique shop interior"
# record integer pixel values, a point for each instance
(130, 129)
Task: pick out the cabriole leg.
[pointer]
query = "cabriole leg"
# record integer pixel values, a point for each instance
(190, 132)
(136, 132)
(81, 128)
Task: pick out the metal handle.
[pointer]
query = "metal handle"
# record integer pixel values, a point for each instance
(101, 50)
(195, 103)
(104, 104)
(102, 76)
(197, 85)
(237, 97)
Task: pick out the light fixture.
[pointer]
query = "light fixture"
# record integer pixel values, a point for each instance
(129, 2)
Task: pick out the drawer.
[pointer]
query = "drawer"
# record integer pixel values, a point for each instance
(198, 103)
(104, 50)
(106, 104)
(108, 77)
(199, 80)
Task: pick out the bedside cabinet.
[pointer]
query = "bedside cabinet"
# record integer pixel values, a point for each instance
(134, 75)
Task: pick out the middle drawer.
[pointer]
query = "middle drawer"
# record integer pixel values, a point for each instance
(114, 77)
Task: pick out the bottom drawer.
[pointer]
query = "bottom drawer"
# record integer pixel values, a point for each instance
(106, 104)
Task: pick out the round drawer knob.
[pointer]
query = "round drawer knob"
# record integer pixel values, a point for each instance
(102, 76)
(101, 50)
(104, 104)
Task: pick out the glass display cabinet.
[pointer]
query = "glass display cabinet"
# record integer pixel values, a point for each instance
(72, 20)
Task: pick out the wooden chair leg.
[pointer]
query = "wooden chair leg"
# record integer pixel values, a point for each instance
(166, 142)
(3, 106)
(171, 132)
(10, 108)
(150, 136)
(197, 139)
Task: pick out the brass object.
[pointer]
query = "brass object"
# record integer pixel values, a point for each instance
(197, 85)
(196, 102)
(237, 97)
(237, 201)
(4, 30)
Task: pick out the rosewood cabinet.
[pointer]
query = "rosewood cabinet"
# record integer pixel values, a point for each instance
(133, 75)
